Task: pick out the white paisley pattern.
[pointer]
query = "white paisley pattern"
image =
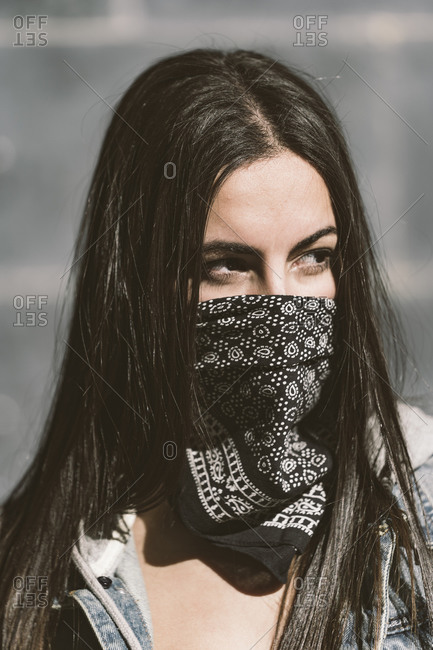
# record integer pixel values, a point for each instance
(261, 363)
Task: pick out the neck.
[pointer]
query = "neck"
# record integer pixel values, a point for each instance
(163, 540)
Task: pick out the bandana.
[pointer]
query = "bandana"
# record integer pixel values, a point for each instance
(256, 485)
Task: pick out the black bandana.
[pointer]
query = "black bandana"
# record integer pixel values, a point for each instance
(261, 362)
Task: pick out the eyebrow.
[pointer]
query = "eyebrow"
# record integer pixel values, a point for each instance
(221, 246)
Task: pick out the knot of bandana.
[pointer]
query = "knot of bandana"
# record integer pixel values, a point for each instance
(256, 486)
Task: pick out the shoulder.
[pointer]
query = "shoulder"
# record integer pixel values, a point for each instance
(424, 484)
(417, 427)
(418, 431)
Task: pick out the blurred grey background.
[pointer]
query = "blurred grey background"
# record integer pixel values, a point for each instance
(63, 63)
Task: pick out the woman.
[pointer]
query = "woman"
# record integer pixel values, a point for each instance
(225, 463)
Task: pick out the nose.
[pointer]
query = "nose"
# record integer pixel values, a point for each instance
(273, 282)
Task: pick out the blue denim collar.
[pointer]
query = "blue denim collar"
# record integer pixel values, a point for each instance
(124, 600)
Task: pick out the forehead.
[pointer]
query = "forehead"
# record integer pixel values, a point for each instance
(282, 195)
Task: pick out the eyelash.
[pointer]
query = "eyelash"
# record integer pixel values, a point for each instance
(221, 278)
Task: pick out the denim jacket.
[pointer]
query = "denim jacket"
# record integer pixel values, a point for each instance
(113, 604)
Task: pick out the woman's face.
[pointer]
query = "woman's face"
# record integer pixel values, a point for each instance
(270, 230)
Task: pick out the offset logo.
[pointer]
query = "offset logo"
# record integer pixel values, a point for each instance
(30, 591)
(29, 31)
(30, 311)
(309, 30)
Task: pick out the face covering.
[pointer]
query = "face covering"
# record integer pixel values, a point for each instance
(257, 487)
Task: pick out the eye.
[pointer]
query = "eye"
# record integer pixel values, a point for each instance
(315, 261)
(221, 270)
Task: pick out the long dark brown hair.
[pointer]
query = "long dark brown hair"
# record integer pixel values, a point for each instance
(126, 386)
